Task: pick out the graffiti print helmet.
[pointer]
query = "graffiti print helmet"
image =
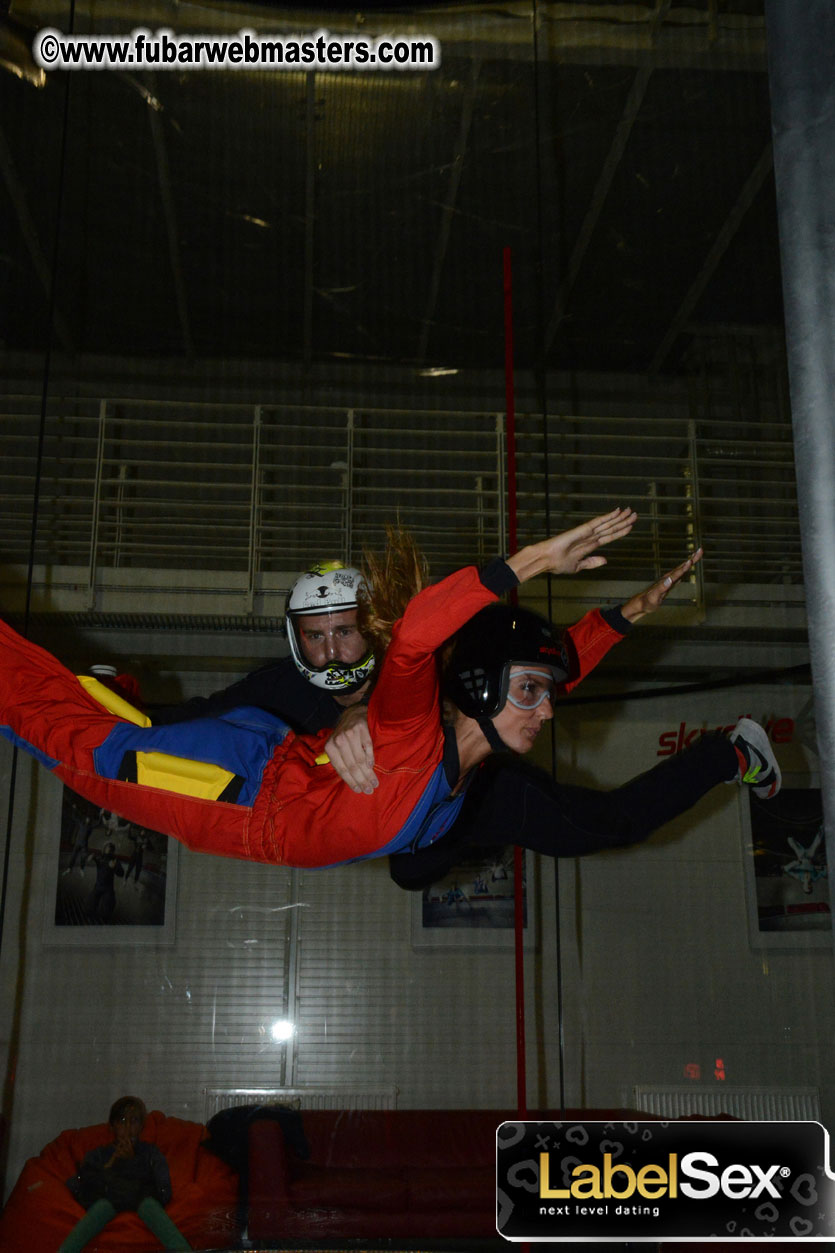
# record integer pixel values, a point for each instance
(327, 587)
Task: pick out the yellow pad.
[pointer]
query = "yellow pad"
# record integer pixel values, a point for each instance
(161, 770)
(182, 775)
(112, 702)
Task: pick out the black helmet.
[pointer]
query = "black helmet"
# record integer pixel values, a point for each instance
(485, 648)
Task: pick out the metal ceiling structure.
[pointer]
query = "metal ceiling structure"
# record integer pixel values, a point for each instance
(621, 150)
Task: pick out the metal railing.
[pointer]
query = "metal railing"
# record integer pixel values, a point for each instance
(727, 485)
(152, 486)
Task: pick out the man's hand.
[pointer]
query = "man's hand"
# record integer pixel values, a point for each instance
(653, 596)
(351, 752)
(572, 550)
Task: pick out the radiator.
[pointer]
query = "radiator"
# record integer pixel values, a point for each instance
(752, 1103)
(215, 1099)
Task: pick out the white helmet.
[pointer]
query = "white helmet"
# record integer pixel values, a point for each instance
(327, 587)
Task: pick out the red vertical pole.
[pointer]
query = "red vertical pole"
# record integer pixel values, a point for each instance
(512, 543)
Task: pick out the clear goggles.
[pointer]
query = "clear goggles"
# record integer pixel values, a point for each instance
(527, 689)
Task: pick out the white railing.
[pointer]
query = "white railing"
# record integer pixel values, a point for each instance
(167, 486)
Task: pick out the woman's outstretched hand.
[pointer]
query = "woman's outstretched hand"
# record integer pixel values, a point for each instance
(652, 597)
(575, 549)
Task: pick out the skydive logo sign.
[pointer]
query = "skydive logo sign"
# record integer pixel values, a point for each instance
(664, 1181)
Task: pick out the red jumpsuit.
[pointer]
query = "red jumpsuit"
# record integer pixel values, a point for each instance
(302, 814)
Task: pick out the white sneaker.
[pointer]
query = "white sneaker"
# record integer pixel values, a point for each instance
(762, 773)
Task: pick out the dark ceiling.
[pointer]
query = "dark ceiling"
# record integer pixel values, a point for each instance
(621, 151)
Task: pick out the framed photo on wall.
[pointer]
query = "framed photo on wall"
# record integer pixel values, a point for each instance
(472, 906)
(112, 882)
(787, 877)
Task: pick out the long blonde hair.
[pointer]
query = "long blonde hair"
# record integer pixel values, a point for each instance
(393, 577)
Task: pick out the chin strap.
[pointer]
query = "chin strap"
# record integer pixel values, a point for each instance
(492, 736)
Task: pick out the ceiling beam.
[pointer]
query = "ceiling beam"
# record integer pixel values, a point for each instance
(604, 180)
(597, 201)
(448, 209)
(170, 215)
(309, 217)
(631, 34)
(43, 270)
(749, 191)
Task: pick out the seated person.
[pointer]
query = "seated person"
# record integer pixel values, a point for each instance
(127, 1174)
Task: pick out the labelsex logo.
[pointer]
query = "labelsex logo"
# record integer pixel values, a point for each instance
(658, 1180)
(589, 1182)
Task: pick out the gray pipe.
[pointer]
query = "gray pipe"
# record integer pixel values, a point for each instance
(801, 61)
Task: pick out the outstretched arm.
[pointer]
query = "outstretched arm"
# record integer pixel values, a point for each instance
(652, 597)
(407, 689)
(350, 749)
(573, 550)
(600, 629)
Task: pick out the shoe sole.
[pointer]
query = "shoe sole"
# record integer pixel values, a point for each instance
(755, 735)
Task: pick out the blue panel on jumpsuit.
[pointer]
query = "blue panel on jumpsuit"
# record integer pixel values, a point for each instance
(242, 741)
(430, 819)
